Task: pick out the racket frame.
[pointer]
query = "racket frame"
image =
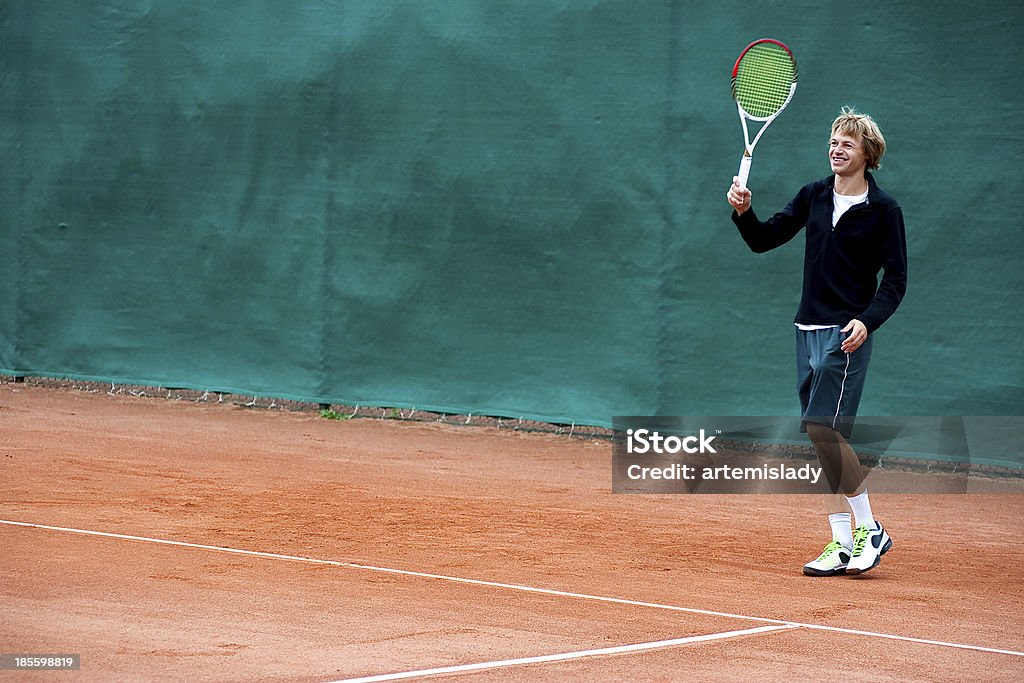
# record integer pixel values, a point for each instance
(748, 144)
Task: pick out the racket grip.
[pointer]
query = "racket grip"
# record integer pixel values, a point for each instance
(744, 171)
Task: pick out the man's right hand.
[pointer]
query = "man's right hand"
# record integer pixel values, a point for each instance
(738, 196)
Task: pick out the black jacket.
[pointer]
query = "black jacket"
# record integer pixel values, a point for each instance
(841, 265)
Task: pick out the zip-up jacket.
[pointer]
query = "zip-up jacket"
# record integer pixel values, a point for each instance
(841, 264)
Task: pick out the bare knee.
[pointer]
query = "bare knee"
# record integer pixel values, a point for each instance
(820, 433)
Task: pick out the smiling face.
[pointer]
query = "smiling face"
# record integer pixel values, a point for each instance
(856, 145)
(846, 155)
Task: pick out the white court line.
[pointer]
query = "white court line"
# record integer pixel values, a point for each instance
(563, 656)
(516, 587)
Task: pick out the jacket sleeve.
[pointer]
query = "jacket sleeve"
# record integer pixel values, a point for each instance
(894, 272)
(762, 236)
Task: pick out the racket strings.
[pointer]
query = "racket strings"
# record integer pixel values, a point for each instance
(763, 80)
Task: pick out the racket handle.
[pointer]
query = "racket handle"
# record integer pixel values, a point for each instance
(744, 171)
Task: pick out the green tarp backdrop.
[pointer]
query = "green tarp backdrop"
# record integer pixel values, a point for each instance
(506, 208)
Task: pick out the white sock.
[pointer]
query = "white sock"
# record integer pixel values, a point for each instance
(840, 523)
(861, 510)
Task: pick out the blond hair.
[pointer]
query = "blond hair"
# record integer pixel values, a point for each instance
(862, 126)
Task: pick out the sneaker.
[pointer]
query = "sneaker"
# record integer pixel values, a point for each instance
(832, 561)
(869, 544)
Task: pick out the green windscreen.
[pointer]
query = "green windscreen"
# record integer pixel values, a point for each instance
(502, 208)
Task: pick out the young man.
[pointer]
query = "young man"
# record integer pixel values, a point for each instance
(854, 230)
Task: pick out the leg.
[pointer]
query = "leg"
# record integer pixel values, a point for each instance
(839, 462)
(836, 557)
(830, 383)
(836, 504)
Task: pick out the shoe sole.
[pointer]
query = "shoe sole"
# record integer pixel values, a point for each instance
(885, 548)
(810, 571)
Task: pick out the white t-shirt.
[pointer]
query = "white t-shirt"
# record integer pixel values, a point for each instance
(841, 203)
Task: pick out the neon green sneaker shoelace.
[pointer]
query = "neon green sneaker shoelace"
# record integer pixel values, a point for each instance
(860, 538)
(830, 548)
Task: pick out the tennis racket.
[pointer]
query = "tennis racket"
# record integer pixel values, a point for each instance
(763, 83)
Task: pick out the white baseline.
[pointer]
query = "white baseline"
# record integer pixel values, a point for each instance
(516, 587)
(564, 656)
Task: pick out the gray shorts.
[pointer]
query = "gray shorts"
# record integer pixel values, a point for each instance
(830, 381)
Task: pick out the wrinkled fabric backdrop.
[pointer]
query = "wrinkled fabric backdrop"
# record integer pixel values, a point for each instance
(515, 209)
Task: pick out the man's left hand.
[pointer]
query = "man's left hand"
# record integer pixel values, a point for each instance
(858, 335)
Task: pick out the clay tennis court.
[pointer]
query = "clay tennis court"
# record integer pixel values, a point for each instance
(184, 540)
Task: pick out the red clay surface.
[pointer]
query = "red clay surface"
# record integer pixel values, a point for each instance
(470, 502)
